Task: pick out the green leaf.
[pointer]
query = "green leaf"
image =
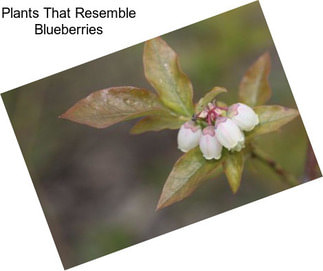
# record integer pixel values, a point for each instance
(254, 86)
(157, 123)
(208, 97)
(271, 118)
(187, 174)
(233, 167)
(164, 73)
(106, 107)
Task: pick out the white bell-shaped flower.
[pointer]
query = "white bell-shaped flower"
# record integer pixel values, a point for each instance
(188, 136)
(243, 116)
(209, 144)
(239, 147)
(229, 134)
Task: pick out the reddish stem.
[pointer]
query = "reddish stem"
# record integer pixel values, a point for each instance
(212, 114)
(223, 108)
(209, 121)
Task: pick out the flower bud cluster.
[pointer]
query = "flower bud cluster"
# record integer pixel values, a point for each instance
(216, 127)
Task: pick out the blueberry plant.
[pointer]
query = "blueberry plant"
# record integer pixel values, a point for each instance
(214, 137)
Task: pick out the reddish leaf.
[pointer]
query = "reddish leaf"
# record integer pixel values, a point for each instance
(164, 73)
(157, 123)
(106, 107)
(233, 167)
(271, 118)
(187, 174)
(254, 86)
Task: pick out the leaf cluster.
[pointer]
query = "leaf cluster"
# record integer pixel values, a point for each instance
(172, 104)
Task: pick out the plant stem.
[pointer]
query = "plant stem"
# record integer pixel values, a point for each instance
(282, 173)
(312, 170)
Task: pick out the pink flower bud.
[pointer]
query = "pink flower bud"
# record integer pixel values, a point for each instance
(209, 145)
(229, 134)
(188, 136)
(243, 116)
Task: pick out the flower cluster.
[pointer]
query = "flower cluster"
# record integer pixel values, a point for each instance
(216, 127)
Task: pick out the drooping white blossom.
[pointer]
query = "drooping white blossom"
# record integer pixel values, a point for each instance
(188, 136)
(239, 147)
(209, 144)
(243, 116)
(229, 134)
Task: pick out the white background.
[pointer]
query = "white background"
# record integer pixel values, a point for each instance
(280, 232)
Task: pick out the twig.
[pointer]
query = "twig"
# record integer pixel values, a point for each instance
(312, 170)
(282, 173)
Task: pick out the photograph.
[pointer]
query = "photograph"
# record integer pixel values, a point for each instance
(160, 135)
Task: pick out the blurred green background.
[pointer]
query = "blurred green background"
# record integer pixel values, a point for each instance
(99, 187)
